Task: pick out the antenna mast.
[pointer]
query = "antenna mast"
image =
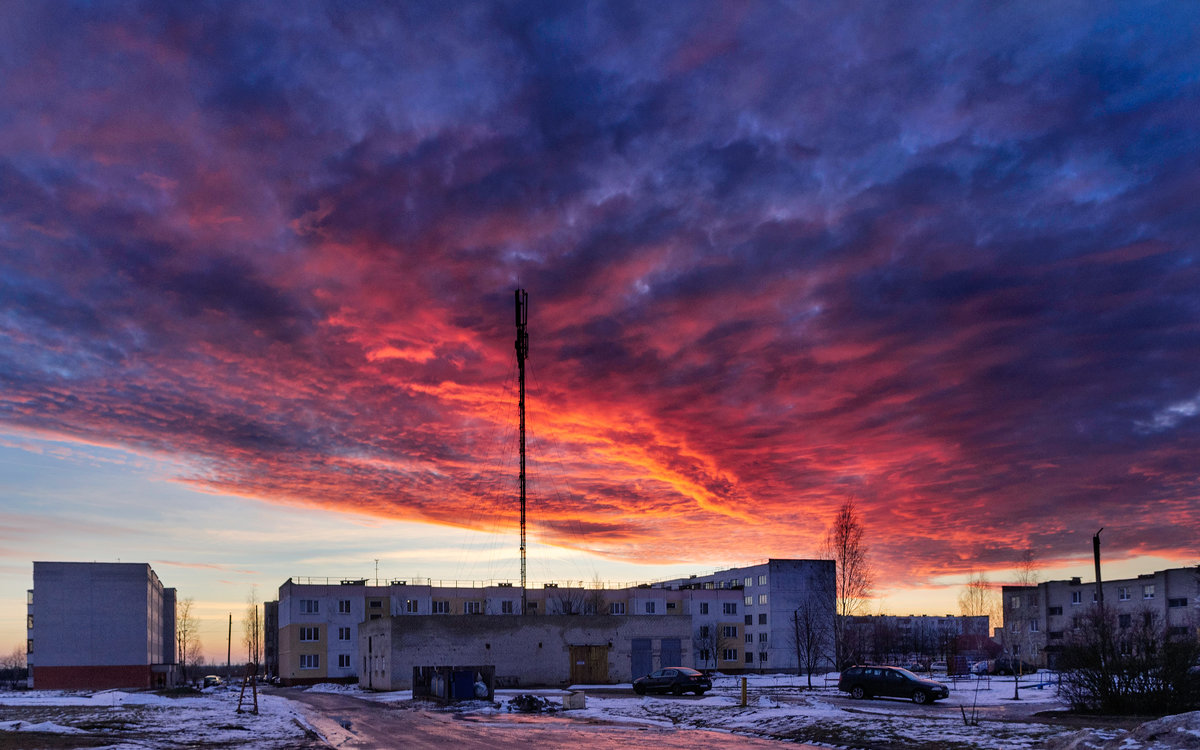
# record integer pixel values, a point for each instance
(522, 298)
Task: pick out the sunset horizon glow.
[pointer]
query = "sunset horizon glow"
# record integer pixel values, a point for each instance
(258, 262)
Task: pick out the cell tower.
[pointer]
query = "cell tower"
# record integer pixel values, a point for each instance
(522, 345)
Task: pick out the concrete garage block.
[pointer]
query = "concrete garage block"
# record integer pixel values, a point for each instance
(574, 700)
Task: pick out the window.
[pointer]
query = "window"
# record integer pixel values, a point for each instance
(762, 580)
(506, 607)
(532, 606)
(617, 608)
(471, 608)
(729, 631)
(1177, 602)
(749, 619)
(749, 638)
(704, 608)
(1033, 626)
(441, 608)
(729, 654)
(344, 634)
(762, 619)
(1054, 611)
(762, 656)
(29, 622)
(749, 657)
(375, 604)
(310, 634)
(703, 654)
(649, 608)
(1177, 631)
(310, 606)
(28, 646)
(343, 606)
(375, 617)
(1055, 635)
(1016, 649)
(1015, 602)
(748, 582)
(1124, 621)
(703, 631)
(1148, 591)
(411, 606)
(729, 608)
(1076, 597)
(589, 607)
(762, 637)
(749, 600)
(762, 598)
(344, 661)
(670, 605)
(1123, 593)
(310, 661)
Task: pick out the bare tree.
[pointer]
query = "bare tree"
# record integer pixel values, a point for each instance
(706, 641)
(252, 629)
(979, 598)
(13, 665)
(1018, 633)
(187, 636)
(855, 578)
(811, 635)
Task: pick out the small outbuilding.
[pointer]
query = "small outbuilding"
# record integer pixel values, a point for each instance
(554, 650)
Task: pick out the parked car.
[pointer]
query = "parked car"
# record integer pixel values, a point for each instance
(1010, 666)
(677, 680)
(896, 682)
(212, 680)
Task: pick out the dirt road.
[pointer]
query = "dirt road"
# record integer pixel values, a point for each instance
(351, 723)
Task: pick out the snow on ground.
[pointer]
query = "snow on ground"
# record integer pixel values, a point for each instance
(148, 720)
(782, 707)
(778, 707)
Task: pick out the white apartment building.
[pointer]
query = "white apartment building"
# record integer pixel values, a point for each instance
(99, 625)
(741, 618)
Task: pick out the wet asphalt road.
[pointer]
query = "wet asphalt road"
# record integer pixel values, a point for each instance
(351, 723)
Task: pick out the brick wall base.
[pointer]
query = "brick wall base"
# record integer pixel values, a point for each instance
(93, 678)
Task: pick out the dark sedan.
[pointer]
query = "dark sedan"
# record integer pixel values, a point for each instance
(864, 682)
(677, 680)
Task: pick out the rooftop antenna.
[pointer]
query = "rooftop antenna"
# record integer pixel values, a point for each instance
(522, 345)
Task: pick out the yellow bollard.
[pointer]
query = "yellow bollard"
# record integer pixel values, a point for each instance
(743, 692)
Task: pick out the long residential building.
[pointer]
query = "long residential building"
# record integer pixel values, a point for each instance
(99, 625)
(738, 619)
(1038, 619)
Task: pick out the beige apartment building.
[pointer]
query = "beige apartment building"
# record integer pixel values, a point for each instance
(1037, 619)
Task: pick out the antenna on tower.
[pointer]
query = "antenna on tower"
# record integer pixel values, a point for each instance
(522, 298)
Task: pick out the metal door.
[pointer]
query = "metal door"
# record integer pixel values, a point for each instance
(670, 653)
(641, 657)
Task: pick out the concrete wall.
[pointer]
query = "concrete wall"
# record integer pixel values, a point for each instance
(524, 650)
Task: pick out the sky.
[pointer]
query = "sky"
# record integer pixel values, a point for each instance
(258, 262)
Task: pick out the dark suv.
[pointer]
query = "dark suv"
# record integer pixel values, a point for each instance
(864, 682)
(677, 680)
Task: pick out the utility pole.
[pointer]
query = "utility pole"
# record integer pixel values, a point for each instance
(1096, 555)
(229, 644)
(522, 345)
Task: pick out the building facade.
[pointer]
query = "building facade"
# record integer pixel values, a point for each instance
(99, 625)
(544, 650)
(1038, 619)
(738, 619)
